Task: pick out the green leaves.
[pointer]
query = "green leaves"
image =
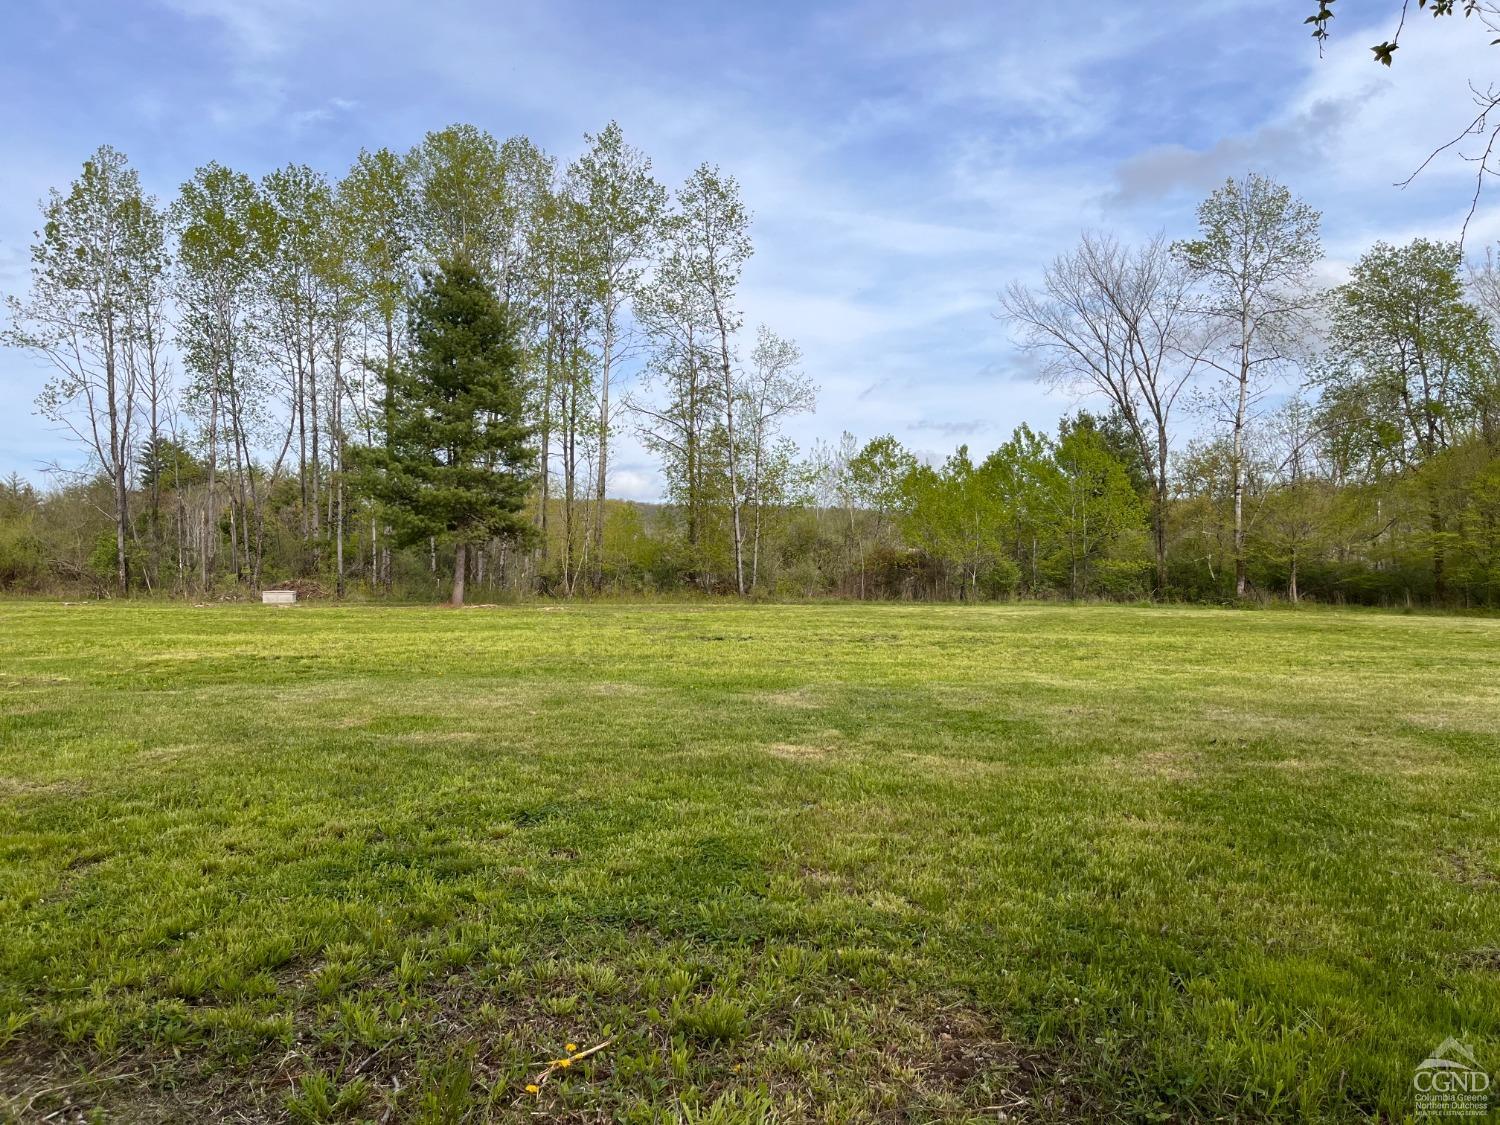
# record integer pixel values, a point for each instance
(1385, 52)
(459, 460)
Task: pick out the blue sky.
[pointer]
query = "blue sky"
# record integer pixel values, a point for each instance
(904, 161)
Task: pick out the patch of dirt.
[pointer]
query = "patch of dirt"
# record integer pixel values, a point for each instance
(1485, 960)
(1252, 723)
(611, 690)
(1161, 765)
(935, 1060)
(166, 753)
(796, 751)
(26, 787)
(798, 699)
(16, 680)
(954, 765)
(826, 882)
(1470, 871)
(1291, 765)
(438, 737)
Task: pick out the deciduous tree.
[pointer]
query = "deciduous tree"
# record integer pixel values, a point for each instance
(95, 276)
(1253, 260)
(1121, 323)
(1409, 367)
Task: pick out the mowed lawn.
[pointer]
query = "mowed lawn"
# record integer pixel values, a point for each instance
(825, 863)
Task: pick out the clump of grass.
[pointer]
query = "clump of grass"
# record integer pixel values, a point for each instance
(714, 1019)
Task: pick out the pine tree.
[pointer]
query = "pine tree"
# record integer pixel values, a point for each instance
(459, 461)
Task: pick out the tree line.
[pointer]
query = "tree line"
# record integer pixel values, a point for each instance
(415, 377)
(223, 359)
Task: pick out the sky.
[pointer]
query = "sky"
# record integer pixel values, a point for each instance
(904, 162)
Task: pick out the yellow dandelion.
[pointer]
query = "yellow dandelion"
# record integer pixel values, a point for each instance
(533, 1088)
(564, 1062)
(572, 1047)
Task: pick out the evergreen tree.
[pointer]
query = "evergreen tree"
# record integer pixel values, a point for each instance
(459, 461)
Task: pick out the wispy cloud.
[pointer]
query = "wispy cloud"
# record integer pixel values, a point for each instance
(904, 163)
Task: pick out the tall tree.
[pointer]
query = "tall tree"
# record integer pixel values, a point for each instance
(619, 208)
(458, 177)
(378, 208)
(560, 279)
(775, 388)
(675, 417)
(1297, 514)
(297, 236)
(1409, 368)
(876, 483)
(1253, 258)
(148, 334)
(95, 269)
(717, 245)
(459, 460)
(220, 271)
(1120, 322)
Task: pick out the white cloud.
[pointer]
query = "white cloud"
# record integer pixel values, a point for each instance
(904, 163)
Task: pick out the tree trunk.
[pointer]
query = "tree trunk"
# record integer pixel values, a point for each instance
(301, 412)
(734, 482)
(205, 554)
(312, 401)
(606, 363)
(1161, 508)
(460, 560)
(1238, 459)
(1439, 563)
(117, 453)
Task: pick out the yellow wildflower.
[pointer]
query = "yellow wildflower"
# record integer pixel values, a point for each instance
(572, 1047)
(533, 1088)
(564, 1062)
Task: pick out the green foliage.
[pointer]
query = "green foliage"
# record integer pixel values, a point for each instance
(1410, 360)
(1385, 51)
(1410, 374)
(330, 431)
(1093, 505)
(166, 464)
(23, 561)
(458, 463)
(1034, 513)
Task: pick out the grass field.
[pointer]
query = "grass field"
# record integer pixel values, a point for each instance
(789, 863)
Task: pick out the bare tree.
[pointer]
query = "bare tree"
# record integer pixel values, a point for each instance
(1483, 126)
(1120, 323)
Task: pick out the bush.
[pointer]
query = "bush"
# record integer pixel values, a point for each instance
(23, 562)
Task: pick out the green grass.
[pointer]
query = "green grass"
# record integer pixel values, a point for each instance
(794, 863)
